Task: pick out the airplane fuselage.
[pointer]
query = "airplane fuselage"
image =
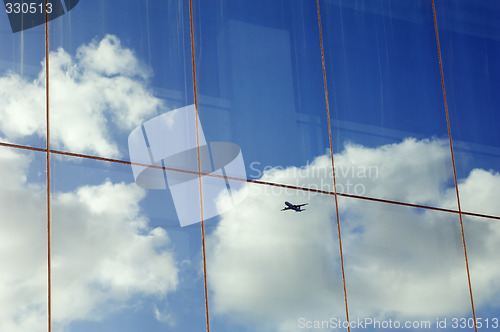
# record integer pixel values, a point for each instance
(296, 208)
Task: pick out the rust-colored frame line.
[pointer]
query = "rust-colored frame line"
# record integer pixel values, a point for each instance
(453, 163)
(199, 163)
(333, 165)
(273, 184)
(47, 153)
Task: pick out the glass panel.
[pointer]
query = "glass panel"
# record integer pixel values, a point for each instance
(120, 261)
(469, 34)
(389, 125)
(260, 83)
(404, 266)
(114, 66)
(116, 71)
(22, 81)
(270, 269)
(483, 245)
(23, 243)
(261, 97)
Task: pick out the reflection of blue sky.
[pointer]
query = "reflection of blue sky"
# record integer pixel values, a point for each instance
(383, 72)
(470, 45)
(267, 65)
(260, 86)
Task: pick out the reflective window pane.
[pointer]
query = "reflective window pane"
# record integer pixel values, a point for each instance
(113, 67)
(23, 244)
(469, 34)
(260, 82)
(384, 86)
(483, 243)
(403, 264)
(119, 259)
(22, 85)
(270, 267)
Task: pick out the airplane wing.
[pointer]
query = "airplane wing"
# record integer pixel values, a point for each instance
(299, 205)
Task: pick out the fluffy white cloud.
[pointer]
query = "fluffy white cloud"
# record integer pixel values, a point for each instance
(479, 192)
(269, 268)
(104, 254)
(23, 253)
(101, 239)
(389, 171)
(108, 58)
(101, 89)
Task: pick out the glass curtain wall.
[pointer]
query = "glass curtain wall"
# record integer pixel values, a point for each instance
(264, 165)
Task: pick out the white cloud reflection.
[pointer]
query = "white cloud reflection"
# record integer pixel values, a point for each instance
(23, 253)
(104, 255)
(100, 89)
(269, 268)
